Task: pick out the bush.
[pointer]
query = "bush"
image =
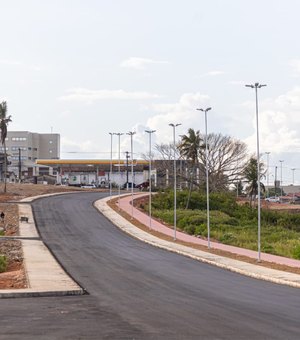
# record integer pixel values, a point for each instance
(227, 238)
(296, 252)
(3, 264)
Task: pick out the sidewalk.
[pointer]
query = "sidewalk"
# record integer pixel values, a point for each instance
(45, 277)
(244, 268)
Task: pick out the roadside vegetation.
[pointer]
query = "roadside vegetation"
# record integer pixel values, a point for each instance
(3, 264)
(232, 172)
(230, 223)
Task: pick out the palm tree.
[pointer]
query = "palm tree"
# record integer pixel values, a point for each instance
(189, 149)
(250, 175)
(4, 120)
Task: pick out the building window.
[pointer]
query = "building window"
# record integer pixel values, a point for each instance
(16, 158)
(16, 148)
(18, 139)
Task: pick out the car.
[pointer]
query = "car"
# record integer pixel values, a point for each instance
(130, 185)
(273, 199)
(144, 185)
(88, 186)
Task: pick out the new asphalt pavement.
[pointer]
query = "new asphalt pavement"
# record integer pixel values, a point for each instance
(137, 291)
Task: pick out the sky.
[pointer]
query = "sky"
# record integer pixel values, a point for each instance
(84, 68)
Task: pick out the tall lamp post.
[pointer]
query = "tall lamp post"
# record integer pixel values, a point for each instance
(110, 170)
(175, 184)
(257, 86)
(268, 154)
(150, 184)
(293, 171)
(119, 169)
(207, 182)
(131, 133)
(281, 161)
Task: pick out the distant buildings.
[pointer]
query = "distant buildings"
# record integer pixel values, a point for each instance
(24, 148)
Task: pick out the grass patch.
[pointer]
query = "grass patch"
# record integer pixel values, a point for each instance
(3, 263)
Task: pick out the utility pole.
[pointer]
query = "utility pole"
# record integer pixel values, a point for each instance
(127, 157)
(20, 166)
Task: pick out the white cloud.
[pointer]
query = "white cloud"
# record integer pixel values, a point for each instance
(140, 63)
(10, 62)
(237, 82)
(279, 123)
(212, 73)
(295, 64)
(183, 112)
(82, 94)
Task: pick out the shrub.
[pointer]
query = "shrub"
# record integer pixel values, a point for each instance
(296, 252)
(190, 229)
(3, 263)
(227, 238)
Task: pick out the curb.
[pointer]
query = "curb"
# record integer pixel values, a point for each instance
(247, 269)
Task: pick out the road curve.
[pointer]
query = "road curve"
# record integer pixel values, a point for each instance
(137, 291)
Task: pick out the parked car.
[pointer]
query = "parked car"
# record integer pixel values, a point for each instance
(144, 185)
(273, 199)
(130, 185)
(88, 186)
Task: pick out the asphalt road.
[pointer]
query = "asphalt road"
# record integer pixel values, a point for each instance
(137, 291)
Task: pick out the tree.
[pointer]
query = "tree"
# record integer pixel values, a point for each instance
(250, 175)
(166, 156)
(189, 148)
(226, 160)
(4, 120)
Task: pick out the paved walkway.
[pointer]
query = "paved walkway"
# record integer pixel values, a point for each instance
(244, 268)
(44, 275)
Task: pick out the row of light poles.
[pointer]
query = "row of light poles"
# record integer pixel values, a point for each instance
(150, 132)
(255, 86)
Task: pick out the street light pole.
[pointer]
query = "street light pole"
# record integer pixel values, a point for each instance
(110, 170)
(119, 169)
(175, 184)
(268, 154)
(150, 184)
(293, 171)
(131, 133)
(207, 182)
(257, 86)
(281, 161)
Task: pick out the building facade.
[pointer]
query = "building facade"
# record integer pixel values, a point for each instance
(24, 148)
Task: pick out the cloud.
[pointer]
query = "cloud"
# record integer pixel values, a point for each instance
(213, 73)
(82, 94)
(279, 123)
(183, 112)
(237, 82)
(10, 62)
(295, 64)
(140, 63)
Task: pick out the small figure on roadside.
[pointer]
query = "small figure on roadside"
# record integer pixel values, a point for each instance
(2, 215)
